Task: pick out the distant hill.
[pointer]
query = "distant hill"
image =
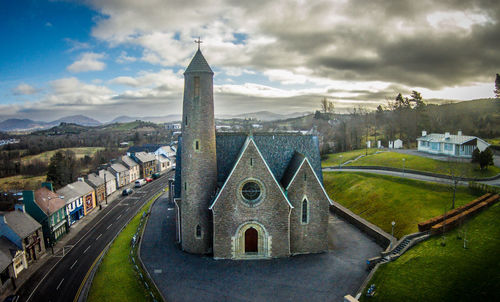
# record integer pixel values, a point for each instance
(152, 119)
(265, 115)
(28, 125)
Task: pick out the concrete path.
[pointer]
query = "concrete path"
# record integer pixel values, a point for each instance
(319, 277)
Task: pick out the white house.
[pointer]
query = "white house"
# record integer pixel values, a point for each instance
(397, 144)
(110, 181)
(449, 144)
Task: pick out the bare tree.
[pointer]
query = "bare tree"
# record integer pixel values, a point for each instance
(327, 106)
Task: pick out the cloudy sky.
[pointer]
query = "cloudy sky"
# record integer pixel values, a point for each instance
(105, 58)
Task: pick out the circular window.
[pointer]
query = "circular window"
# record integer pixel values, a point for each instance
(251, 192)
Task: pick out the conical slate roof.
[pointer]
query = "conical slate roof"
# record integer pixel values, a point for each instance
(198, 64)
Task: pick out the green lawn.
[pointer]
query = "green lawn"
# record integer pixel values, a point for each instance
(116, 279)
(431, 272)
(21, 182)
(336, 159)
(80, 152)
(381, 199)
(413, 162)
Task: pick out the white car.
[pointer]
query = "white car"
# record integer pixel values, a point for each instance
(139, 183)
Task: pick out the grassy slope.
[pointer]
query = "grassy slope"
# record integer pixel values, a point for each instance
(395, 160)
(381, 199)
(338, 158)
(116, 279)
(431, 272)
(20, 182)
(80, 152)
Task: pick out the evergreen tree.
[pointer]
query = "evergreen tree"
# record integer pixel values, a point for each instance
(486, 159)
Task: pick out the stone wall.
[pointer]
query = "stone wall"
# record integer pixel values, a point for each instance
(232, 214)
(310, 237)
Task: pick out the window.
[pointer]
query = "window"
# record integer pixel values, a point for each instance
(197, 145)
(186, 121)
(196, 86)
(251, 192)
(251, 161)
(448, 147)
(305, 176)
(198, 231)
(305, 218)
(185, 186)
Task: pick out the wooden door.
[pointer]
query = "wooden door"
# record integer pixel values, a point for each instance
(251, 241)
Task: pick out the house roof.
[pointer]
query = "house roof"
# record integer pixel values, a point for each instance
(146, 148)
(118, 168)
(128, 161)
(48, 201)
(94, 180)
(68, 194)
(21, 223)
(292, 169)
(7, 252)
(198, 64)
(277, 150)
(144, 157)
(453, 139)
(163, 158)
(109, 175)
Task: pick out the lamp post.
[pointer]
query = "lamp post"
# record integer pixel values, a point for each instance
(393, 223)
(340, 161)
(404, 159)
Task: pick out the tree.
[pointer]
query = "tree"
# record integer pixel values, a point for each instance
(63, 168)
(485, 159)
(497, 86)
(475, 156)
(327, 106)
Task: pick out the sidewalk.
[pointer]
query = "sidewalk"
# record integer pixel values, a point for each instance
(61, 247)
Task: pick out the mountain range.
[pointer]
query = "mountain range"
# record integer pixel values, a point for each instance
(27, 125)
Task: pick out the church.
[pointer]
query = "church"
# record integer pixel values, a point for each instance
(244, 195)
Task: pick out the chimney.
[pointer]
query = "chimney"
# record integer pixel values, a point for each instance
(424, 133)
(459, 133)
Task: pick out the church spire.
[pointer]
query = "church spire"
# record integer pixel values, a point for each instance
(198, 64)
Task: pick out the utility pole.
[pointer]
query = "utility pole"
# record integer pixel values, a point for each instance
(105, 188)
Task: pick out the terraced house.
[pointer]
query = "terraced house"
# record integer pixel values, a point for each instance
(80, 199)
(132, 166)
(97, 183)
(46, 207)
(147, 162)
(121, 173)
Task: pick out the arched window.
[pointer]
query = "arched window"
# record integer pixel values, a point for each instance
(305, 214)
(198, 231)
(197, 145)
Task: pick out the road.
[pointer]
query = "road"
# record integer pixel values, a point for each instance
(59, 279)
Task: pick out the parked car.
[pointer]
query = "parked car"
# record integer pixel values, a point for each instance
(127, 192)
(139, 183)
(156, 175)
(148, 179)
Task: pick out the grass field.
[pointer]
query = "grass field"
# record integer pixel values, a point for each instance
(431, 272)
(336, 159)
(413, 162)
(116, 279)
(381, 199)
(21, 182)
(80, 152)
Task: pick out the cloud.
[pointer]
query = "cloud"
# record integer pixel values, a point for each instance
(88, 61)
(124, 58)
(76, 45)
(24, 89)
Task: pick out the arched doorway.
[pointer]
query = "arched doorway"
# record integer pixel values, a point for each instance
(251, 241)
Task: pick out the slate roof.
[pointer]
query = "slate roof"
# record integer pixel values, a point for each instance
(278, 149)
(145, 157)
(128, 161)
(198, 64)
(21, 223)
(292, 168)
(118, 168)
(95, 180)
(68, 194)
(74, 190)
(48, 201)
(7, 252)
(440, 138)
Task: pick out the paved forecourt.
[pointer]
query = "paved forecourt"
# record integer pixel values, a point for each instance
(320, 277)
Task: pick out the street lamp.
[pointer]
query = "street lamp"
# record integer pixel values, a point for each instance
(392, 232)
(340, 161)
(404, 159)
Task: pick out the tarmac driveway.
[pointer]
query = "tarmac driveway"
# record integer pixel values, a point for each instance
(320, 277)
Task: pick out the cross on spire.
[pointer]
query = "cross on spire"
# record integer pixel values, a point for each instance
(199, 41)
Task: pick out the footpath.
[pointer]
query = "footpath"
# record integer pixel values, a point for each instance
(61, 247)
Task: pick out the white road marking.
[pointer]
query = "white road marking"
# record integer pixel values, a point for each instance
(73, 264)
(98, 236)
(87, 249)
(109, 226)
(118, 217)
(57, 288)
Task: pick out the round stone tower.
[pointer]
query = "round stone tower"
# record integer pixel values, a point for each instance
(199, 162)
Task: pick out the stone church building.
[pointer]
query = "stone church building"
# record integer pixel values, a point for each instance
(244, 195)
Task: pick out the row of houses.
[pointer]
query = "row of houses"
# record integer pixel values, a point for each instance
(45, 215)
